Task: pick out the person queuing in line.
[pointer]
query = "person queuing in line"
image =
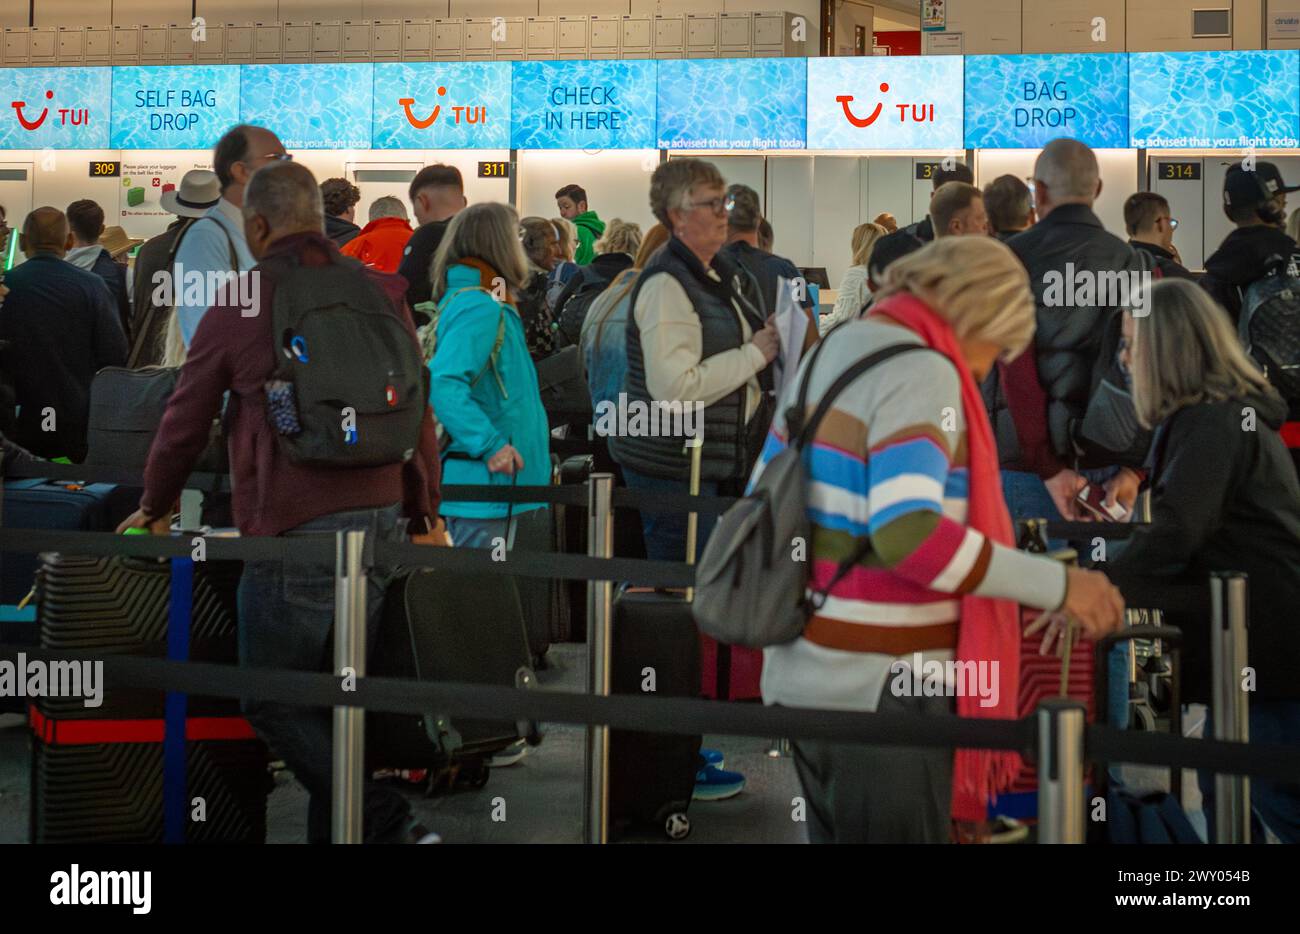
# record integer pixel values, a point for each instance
(437, 194)
(604, 328)
(917, 507)
(923, 229)
(1037, 403)
(744, 216)
(58, 327)
(286, 609)
(540, 239)
(888, 248)
(571, 200)
(689, 342)
(886, 220)
(854, 290)
(1255, 202)
(1151, 229)
(5, 233)
(484, 391)
(340, 198)
(1010, 207)
(766, 235)
(614, 254)
(957, 210)
(565, 268)
(215, 243)
(382, 242)
(1235, 509)
(199, 192)
(86, 221)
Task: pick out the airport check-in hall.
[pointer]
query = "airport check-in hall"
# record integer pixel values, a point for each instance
(849, 423)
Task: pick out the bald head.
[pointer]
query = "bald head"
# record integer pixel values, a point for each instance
(239, 153)
(46, 231)
(282, 199)
(1065, 172)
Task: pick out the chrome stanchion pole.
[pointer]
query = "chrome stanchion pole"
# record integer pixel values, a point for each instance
(600, 609)
(349, 658)
(1231, 708)
(1060, 771)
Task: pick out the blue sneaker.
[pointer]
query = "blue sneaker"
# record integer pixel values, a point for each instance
(715, 784)
(713, 757)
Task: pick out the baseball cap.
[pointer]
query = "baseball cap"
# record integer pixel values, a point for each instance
(1242, 188)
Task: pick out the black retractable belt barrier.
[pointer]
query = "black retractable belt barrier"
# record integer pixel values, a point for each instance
(1075, 531)
(663, 714)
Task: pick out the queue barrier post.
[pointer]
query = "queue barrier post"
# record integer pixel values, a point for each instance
(1231, 709)
(1061, 724)
(600, 608)
(349, 658)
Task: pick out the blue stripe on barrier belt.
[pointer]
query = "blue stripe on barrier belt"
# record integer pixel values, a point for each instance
(175, 784)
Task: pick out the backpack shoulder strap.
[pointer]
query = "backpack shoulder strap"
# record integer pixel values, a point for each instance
(151, 311)
(842, 382)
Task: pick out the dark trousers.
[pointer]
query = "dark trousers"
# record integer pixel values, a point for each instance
(878, 794)
(286, 620)
(1274, 804)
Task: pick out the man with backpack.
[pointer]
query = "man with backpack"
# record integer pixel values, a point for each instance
(300, 465)
(1254, 274)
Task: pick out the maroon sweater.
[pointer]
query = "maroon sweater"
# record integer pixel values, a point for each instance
(234, 353)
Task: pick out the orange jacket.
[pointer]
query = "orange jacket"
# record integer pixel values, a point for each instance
(380, 243)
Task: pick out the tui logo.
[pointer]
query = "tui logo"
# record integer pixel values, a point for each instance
(67, 117)
(406, 103)
(859, 122)
(470, 114)
(28, 124)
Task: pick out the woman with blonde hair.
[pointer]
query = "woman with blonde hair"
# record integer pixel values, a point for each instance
(614, 254)
(913, 555)
(854, 290)
(1224, 498)
(565, 267)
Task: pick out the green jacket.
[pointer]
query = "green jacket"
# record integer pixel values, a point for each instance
(590, 227)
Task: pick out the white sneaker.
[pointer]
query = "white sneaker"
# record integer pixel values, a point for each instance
(509, 756)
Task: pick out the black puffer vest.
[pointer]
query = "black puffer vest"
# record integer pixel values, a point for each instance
(724, 456)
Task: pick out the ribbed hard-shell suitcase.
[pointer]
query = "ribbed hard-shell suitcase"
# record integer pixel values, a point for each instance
(101, 774)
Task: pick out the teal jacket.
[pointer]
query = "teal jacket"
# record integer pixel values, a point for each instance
(590, 227)
(479, 418)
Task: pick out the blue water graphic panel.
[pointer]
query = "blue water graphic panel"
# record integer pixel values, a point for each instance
(1023, 101)
(885, 102)
(448, 105)
(310, 106)
(732, 103)
(55, 108)
(173, 106)
(1218, 100)
(583, 105)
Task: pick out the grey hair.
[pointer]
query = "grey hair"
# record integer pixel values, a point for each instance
(1186, 351)
(620, 237)
(1069, 169)
(672, 183)
(286, 194)
(488, 232)
(387, 206)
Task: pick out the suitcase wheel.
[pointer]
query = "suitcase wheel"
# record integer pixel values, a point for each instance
(677, 826)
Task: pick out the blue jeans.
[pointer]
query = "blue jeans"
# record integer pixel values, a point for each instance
(480, 533)
(286, 620)
(1274, 804)
(665, 533)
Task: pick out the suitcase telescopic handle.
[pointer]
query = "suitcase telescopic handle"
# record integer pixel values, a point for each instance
(1172, 636)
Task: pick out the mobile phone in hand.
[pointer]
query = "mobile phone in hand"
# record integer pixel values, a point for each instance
(1093, 499)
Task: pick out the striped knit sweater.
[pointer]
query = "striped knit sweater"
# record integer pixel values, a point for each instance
(889, 462)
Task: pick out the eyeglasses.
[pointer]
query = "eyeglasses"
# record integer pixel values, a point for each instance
(716, 205)
(1173, 223)
(277, 156)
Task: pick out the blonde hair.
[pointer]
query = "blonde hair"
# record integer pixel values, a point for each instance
(568, 235)
(975, 284)
(488, 232)
(620, 237)
(1186, 352)
(864, 241)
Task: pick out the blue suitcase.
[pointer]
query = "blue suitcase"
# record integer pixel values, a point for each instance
(60, 505)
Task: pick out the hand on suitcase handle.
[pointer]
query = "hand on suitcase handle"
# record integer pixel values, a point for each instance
(506, 461)
(1091, 602)
(140, 520)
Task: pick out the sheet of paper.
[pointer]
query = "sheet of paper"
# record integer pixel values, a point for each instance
(791, 325)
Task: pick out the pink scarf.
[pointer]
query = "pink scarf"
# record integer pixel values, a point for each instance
(989, 630)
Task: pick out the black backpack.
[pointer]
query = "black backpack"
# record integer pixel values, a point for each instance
(350, 387)
(1269, 325)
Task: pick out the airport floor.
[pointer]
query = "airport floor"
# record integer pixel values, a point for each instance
(542, 794)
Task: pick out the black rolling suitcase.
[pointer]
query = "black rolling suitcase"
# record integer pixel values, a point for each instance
(569, 615)
(443, 626)
(652, 775)
(105, 774)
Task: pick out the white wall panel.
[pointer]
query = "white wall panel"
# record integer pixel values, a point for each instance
(835, 212)
(790, 191)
